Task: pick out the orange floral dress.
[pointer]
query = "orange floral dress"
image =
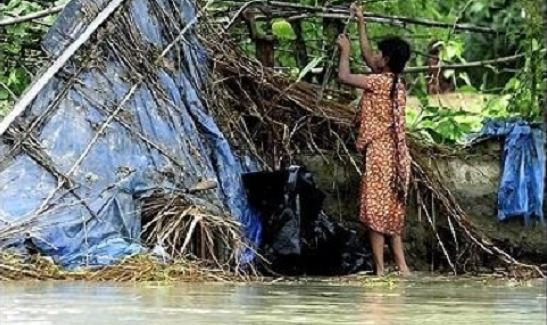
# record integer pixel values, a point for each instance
(386, 166)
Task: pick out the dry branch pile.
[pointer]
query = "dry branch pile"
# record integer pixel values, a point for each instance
(191, 228)
(202, 243)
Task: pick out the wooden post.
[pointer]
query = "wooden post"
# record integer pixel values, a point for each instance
(300, 48)
(264, 43)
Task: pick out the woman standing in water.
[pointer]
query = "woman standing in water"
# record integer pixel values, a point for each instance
(381, 139)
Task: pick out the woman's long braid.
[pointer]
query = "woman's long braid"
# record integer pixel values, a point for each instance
(394, 94)
(393, 91)
(398, 52)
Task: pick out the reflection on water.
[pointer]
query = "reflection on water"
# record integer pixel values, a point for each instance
(313, 303)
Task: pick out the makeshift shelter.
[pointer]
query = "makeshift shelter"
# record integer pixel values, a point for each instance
(105, 161)
(122, 119)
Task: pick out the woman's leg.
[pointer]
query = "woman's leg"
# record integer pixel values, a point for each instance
(377, 244)
(399, 254)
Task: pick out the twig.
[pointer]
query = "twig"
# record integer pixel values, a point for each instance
(32, 16)
(239, 11)
(471, 64)
(11, 93)
(186, 28)
(190, 233)
(102, 129)
(439, 240)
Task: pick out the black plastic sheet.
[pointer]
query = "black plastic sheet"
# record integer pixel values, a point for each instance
(298, 238)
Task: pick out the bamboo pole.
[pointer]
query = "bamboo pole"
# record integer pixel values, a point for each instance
(294, 11)
(473, 64)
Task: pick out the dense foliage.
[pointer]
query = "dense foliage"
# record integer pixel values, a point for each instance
(513, 88)
(20, 53)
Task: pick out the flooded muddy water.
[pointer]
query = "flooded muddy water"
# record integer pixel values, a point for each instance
(302, 303)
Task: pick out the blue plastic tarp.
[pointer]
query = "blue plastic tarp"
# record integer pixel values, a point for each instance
(98, 222)
(522, 181)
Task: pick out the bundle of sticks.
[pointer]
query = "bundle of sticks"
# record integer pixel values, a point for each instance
(190, 228)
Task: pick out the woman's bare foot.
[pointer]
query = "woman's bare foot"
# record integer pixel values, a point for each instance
(380, 272)
(377, 245)
(399, 255)
(405, 273)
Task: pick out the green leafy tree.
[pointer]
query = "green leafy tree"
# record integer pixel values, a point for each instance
(20, 52)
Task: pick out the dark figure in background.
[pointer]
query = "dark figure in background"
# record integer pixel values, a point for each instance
(437, 83)
(382, 141)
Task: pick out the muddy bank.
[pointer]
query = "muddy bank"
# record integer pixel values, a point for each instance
(472, 175)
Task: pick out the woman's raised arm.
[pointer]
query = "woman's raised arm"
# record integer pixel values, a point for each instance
(366, 51)
(344, 72)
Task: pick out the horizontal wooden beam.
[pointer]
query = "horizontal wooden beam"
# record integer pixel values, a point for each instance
(393, 20)
(295, 11)
(473, 64)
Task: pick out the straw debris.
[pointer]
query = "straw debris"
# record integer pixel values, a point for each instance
(133, 269)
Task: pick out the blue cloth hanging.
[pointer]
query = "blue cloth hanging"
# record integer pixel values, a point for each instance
(522, 182)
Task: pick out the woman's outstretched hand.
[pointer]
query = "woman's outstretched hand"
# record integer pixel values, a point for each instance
(343, 43)
(357, 10)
